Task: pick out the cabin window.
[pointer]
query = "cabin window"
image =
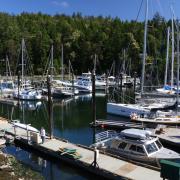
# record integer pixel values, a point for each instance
(122, 145)
(133, 148)
(159, 145)
(151, 148)
(140, 149)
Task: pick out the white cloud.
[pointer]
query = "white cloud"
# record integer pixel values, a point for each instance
(62, 3)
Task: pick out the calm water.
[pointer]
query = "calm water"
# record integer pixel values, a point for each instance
(71, 121)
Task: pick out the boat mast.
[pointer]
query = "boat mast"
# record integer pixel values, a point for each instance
(172, 65)
(167, 57)
(22, 63)
(177, 65)
(6, 68)
(52, 63)
(144, 48)
(62, 61)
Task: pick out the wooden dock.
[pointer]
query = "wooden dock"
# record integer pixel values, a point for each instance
(108, 167)
(117, 124)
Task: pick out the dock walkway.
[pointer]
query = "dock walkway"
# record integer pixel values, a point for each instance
(109, 167)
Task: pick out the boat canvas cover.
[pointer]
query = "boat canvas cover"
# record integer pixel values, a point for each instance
(136, 133)
(25, 126)
(167, 87)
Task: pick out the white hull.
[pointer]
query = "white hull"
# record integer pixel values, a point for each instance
(126, 109)
(25, 126)
(27, 95)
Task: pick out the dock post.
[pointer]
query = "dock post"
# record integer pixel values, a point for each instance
(135, 87)
(50, 107)
(94, 94)
(94, 163)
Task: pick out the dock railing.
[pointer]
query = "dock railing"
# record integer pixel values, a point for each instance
(105, 135)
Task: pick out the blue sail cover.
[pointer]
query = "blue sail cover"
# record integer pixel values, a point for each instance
(167, 87)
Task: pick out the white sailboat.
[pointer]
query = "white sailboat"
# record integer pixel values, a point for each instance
(169, 89)
(26, 91)
(59, 88)
(127, 109)
(7, 85)
(141, 108)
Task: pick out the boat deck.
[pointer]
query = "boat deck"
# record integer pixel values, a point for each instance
(109, 167)
(170, 135)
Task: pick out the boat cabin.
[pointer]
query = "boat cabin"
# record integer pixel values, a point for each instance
(137, 142)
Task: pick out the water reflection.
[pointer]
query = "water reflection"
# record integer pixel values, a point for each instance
(30, 105)
(71, 119)
(71, 116)
(48, 169)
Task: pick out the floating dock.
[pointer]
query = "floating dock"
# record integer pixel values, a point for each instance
(108, 167)
(117, 124)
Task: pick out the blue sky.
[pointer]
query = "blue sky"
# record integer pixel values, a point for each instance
(124, 9)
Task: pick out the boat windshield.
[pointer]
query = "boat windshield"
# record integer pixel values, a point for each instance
(151, 148)
(159, 145)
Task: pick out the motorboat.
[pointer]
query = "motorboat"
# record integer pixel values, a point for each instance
(84, 85)
(161, 118)
(27, 94)
(126, 109)
(64, 91)
(134, 144)
(141, 108)
(7, 87)
(61, 91)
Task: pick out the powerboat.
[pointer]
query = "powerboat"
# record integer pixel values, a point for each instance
(157, 118)
(134, 144)
(27, 94)
(126, 109)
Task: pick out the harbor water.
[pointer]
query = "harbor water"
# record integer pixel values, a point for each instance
(71, 117)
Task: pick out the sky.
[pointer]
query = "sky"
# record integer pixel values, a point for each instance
(124, 9)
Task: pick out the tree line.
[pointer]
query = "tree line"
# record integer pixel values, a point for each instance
(82, 37)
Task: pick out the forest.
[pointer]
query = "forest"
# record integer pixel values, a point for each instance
(82, 37)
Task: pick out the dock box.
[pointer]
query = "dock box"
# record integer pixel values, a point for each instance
(35, 137)
(170, 170)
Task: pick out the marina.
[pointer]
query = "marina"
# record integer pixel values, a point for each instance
(90, 90)
(50, 148)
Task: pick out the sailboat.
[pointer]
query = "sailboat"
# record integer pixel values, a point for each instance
(140, 108)
(26, 91)
(6, 84)
(59, 88)
(169, 89)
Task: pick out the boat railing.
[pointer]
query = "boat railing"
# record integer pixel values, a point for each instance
(105, 135)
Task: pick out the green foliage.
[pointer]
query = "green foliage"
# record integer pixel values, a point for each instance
(82, 37)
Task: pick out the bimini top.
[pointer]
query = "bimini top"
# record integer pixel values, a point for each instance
(136, 133)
